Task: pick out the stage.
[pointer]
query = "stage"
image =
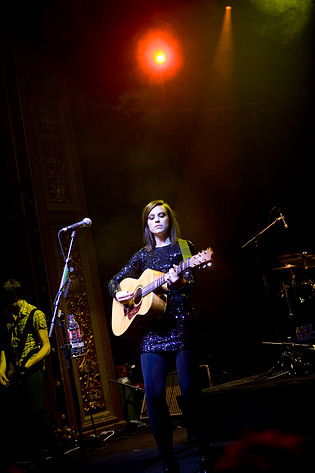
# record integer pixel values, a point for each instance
(266, 400)
(271, 411)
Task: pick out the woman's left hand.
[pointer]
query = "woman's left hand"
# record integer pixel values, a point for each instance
(175, 278)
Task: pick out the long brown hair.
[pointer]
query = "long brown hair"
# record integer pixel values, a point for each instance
(173, 227)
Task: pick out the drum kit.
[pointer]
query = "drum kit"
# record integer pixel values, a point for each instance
(300, 289)
(298, 292)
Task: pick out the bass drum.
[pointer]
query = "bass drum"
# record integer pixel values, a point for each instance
(303, 308)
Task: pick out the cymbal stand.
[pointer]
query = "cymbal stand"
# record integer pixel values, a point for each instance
(284, 293)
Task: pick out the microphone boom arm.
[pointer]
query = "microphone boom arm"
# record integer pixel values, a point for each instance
(260, 233)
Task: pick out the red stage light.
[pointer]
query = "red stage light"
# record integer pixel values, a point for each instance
(158, 55)
(228, 7)
(160, 58)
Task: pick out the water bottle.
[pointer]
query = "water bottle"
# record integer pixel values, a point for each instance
(75, 339)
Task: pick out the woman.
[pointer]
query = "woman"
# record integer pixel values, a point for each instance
(169, 340)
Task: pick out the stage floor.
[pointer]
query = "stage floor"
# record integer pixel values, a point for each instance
(265, 412)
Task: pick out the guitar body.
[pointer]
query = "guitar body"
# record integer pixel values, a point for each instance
(18, 374)
(142, 309)
(148, 302)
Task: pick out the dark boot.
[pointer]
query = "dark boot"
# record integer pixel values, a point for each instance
(171, 467)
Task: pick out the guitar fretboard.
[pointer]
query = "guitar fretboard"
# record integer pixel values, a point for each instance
(161, 280)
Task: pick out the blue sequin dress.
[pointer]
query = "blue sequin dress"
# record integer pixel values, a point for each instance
(171, 332)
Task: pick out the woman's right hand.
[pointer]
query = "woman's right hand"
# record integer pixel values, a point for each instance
(124, 296)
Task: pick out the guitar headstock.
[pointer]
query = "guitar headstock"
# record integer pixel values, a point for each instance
(203, 258)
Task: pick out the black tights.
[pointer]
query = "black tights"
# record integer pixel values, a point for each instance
(155, 367)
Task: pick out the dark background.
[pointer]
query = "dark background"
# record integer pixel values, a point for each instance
(224, 151)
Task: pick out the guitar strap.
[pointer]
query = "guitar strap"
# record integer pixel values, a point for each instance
(184, 248)
(26, 329)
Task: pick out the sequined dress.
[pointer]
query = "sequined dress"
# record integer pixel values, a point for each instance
(171, 332)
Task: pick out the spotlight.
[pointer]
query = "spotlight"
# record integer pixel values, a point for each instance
(160, 58)
(159, 54)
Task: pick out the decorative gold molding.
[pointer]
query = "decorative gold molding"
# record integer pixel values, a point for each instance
(87, 365)
(53, 153)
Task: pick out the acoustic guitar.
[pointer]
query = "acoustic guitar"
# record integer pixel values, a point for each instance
(148, 303)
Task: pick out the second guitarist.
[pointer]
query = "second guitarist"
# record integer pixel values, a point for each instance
(24, 346)
(169, 342)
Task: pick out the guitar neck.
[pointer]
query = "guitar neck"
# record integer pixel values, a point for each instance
(162, 279)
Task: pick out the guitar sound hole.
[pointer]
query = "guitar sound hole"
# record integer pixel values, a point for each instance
(138, 296)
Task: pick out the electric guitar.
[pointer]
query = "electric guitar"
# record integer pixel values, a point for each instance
(147, 304)
(18, 373)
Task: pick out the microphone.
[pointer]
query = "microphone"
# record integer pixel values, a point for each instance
(86, 222)
(282, 218)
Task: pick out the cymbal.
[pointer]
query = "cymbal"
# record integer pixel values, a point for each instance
(287, 266)
(298, 259)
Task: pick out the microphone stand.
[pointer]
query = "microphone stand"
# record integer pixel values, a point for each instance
(67, 349)
(260, 233)
(63, 281)
(254, 239)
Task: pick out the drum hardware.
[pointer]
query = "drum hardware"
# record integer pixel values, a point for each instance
(298, 292)
(291, 360)
(287, 266)
(292, 344)
(302, 260)
(300, 286)
(285, 294)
